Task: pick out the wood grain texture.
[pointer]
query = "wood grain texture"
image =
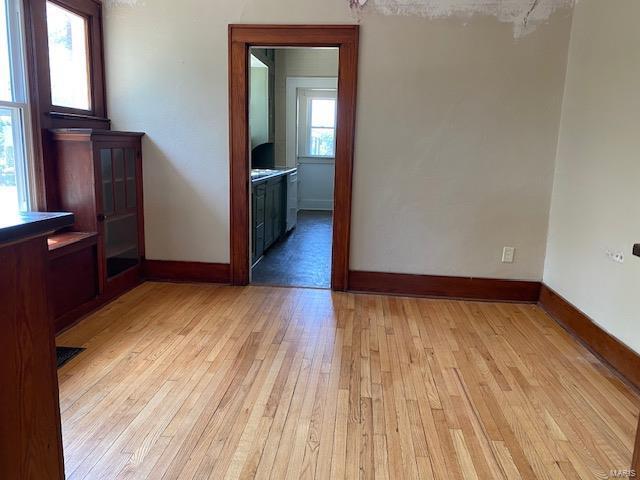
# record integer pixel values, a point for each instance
(64, 243)
(439, 286)
(241, 37)
(30, 434)
(205, 381)
(80, 190)
(618, 355)
(186, 271)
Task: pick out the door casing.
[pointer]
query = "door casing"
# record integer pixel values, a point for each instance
(241, 39)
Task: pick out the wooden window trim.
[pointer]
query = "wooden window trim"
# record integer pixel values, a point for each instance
(46, 116)
(92, 12)
(241, 38)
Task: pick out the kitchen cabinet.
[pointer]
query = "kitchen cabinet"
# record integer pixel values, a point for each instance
(269, 213)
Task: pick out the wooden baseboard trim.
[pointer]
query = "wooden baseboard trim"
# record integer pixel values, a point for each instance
(439, 286)
(624, 360)
(176, 271)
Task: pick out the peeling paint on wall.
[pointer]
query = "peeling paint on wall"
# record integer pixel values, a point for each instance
(525, 15)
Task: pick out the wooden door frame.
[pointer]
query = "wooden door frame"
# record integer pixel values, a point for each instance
(241, 38)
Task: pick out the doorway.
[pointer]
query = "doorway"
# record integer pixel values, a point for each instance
(292, 131)
(242, 38)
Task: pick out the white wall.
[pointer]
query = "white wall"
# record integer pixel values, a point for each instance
(316, 176)
(297, 62)
(456, 131)
(259, 104)
(596, 195)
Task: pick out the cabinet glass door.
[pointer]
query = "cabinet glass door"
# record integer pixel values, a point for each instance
(118, 166)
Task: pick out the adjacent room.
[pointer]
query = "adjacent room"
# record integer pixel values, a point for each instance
(292, 127)
(340, 239)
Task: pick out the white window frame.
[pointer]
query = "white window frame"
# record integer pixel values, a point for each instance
(20, 106)
(306, 96)
(292, 86)
(310, 96)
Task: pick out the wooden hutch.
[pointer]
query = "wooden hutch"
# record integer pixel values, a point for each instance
(99, 175)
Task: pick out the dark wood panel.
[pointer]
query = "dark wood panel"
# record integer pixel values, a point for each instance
(440, 286)
(30, 433)
(345, 141)
(239, 152)
(609, 348)
(187, 271)
(73, 281)
(76, 182)
(241, 37)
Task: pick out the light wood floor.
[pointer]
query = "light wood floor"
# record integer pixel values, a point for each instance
(201, 381)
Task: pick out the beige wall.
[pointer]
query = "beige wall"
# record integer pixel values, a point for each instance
(258, 105)
(297, 62)
(596, 196)
(456, 131)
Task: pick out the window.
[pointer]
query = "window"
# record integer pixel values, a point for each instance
(68, 58)
(14, 184)
(322, 127)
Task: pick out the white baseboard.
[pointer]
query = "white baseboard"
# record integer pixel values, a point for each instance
(315, 204)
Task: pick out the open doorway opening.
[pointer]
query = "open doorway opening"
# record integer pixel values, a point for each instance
(317, 140)
(293, 105)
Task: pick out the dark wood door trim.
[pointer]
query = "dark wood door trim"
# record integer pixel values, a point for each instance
(241, 38)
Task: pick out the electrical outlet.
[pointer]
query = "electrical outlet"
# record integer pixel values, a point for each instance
(508, 254)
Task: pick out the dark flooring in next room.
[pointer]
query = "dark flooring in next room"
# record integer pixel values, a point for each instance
(303, 258)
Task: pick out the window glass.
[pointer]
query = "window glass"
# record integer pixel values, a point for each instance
(322, 124)
(14, 185)
(5, 62)
(323, 112)
(68, 58)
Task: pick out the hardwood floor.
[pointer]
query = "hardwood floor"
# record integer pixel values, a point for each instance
(202, 381)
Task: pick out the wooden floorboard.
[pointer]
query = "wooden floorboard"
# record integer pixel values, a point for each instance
(185, 381)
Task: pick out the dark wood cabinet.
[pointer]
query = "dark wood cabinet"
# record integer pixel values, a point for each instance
(30, 432)
(100, 181)
(268, 199)
(73, 276)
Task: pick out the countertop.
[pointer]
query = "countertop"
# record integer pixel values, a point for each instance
(258, 175)
(16, 226)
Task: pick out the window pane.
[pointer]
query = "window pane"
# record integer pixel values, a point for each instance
(321, 142)
(5, 64)
(68, 60)
(13, 179)
(323, 113)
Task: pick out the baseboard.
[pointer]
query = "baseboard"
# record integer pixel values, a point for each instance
(448, 287)
(624, 360)
(175, 271)
(311, 204)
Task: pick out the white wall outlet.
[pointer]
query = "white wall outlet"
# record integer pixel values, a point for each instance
(617, 257)
(508, 254)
